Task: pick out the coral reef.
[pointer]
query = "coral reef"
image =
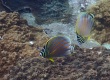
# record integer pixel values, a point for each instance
(15, 37)
(101, 30)
(83, 65)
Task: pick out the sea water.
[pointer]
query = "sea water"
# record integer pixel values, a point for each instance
(67, 29)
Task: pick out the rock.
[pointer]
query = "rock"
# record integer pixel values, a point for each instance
(81, 66)
(101, 30)
(16, 35)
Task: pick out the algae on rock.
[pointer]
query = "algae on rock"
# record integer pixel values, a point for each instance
(101, 32)
(15, 36)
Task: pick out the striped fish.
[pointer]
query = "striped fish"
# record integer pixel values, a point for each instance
(80, 39)
(56, 47)
(84, 26)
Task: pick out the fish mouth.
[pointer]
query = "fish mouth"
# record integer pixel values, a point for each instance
(40, 54)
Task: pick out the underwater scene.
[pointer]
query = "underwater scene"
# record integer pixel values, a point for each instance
(54, 39)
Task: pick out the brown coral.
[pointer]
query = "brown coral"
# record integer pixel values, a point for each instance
(102, 21)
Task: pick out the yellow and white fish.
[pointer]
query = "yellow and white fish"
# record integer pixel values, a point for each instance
(56, 47)
(84, 26)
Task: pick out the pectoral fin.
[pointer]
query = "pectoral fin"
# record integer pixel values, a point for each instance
(51, 59)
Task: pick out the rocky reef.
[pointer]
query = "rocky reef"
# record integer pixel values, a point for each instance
(101, 32)
(16, 39)
(82, 65)
(19, 58)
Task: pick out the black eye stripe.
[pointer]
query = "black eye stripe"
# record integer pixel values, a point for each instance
(91, 15)
(44, 51)
(80, 38)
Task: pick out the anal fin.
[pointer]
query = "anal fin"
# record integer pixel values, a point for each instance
(51, 59)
